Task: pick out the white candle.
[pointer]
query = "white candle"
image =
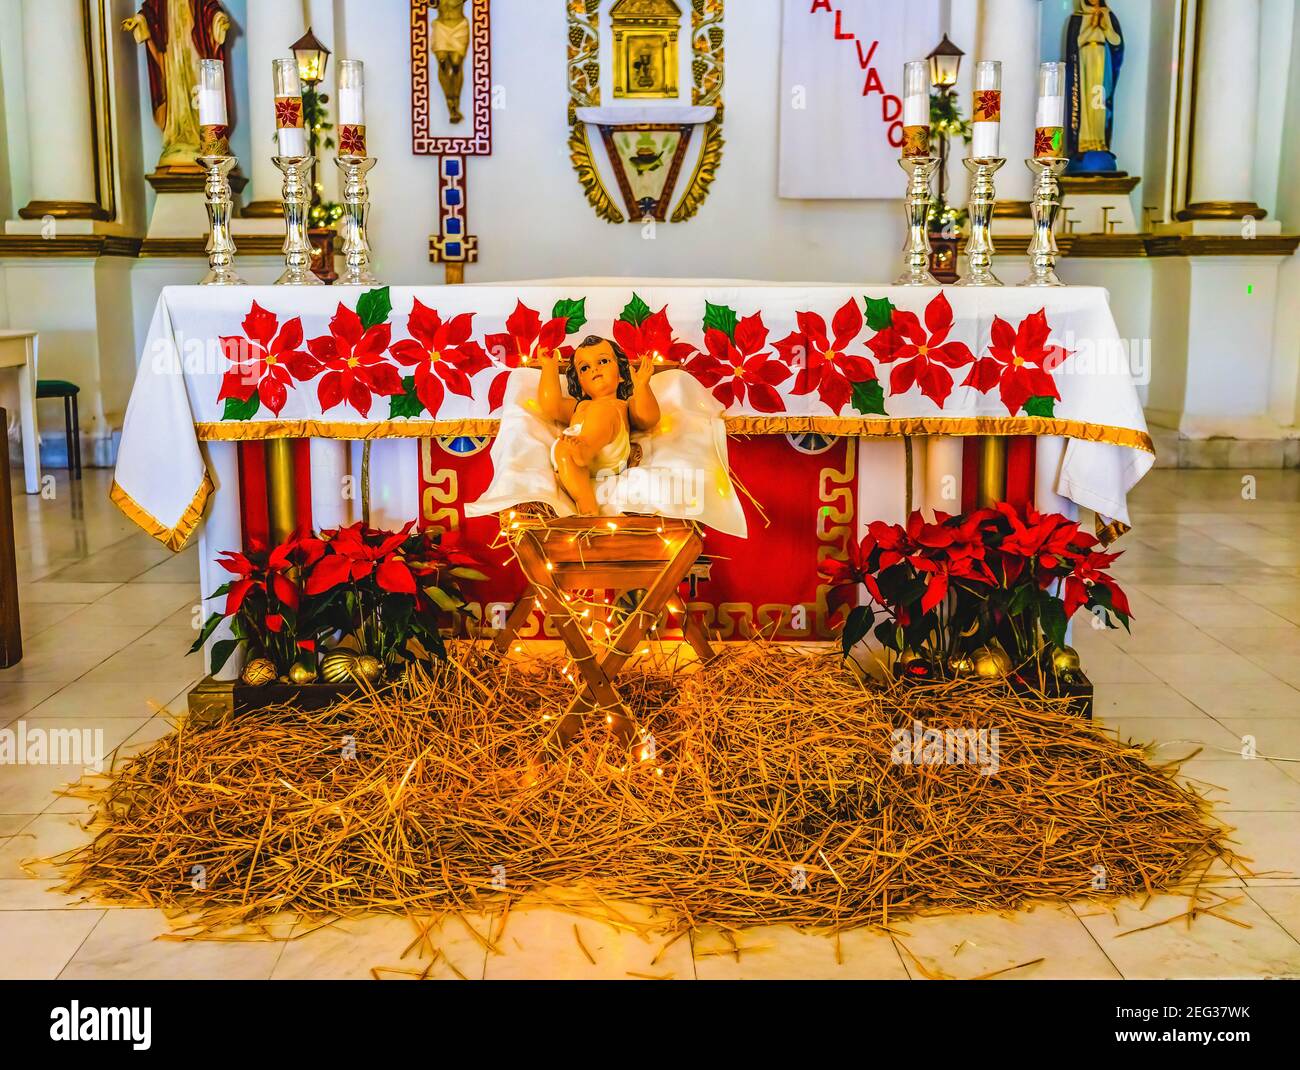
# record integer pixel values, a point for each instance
(352, 93)
(916, 108)
(212, 93)
(1049, 120)
(290, 134)
(986, 112)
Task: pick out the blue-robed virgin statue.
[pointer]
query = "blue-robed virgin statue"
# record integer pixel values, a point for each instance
(1094, 50)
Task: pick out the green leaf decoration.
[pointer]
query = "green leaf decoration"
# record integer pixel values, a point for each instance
(406, 403)
(856, 626)
(221, 652)
(721, 318)
(575, 312)
(1041, 406)
(636, 312)
(869, 398)
(880, 313)
(241, 410)
(374, 306)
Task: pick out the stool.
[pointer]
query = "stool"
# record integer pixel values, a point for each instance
(61, 388)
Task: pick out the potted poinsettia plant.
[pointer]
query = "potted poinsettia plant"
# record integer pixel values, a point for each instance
(389, 591)
(999, 577)
(269, 613)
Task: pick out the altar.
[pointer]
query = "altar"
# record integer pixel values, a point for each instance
(842, 405)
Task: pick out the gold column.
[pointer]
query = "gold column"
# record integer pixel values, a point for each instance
(993, 470)
(281, 490)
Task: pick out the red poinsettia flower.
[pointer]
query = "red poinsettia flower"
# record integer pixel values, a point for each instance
(442, 355)
(353, 355)
(922, 354)
(740, 369)
(275, 577)
(1020, 362)
(1089, 572)
(288, 111)
(653, 338)
(525, 339)
(266, 361)
(354, 552)
(823, 363)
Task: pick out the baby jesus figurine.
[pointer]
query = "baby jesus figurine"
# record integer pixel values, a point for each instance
(607, 400)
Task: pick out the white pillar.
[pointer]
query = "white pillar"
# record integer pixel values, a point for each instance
(272, 28)
(329, 468)
(222, 530)
(943, 465)
(57, 88)
(1009, 32)
(1223, 125)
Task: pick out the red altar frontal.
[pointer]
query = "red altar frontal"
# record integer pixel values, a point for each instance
(807, 489)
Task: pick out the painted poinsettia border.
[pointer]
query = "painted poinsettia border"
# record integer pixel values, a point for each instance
(358, 361)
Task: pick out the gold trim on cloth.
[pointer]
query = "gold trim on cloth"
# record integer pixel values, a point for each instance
(864, 426)
(1108, 533)
(173, 538)
(261, 430)
(892, 426)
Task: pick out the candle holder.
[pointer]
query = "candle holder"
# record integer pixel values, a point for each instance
(1044, 208)
(356, 206)
(983, 197)
(296, 196)
(916, 207)
(220, 205)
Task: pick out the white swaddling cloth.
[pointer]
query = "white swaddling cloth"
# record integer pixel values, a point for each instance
(612, 459)
(682, 473)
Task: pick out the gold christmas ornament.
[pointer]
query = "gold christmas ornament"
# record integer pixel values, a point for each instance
(302, 674)
(961, 665)
(370, 668)
(259, 672)
(1065, 659)
(991, 662)
(338, 666)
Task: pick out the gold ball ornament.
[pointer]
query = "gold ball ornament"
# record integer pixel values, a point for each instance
(991, 663)
(259, 672)
(338, 666)
(961, 665)
(370, 668)
(302, 674)
(1065, 660)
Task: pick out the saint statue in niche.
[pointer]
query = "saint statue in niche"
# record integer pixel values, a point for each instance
(1094, 46)
(450, 45)
(176, 35)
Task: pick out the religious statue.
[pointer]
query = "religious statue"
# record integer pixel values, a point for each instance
(176, 35)
(1094, 46)
(450, 44)
(607, 399)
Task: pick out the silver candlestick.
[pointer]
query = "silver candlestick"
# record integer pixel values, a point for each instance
(916, 206)
(356, 206)
(1045, 207)
(296, 196)
(220, 205)
(979, 248)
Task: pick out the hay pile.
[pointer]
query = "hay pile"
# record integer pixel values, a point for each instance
(771, 796)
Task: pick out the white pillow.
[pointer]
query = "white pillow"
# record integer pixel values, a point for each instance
(683, 470)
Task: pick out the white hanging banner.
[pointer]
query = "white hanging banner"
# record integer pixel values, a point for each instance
(841, 93)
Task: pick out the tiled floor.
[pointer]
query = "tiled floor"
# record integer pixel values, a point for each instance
(1213, 571)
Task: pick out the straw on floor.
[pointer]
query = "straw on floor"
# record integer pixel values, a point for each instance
(766, 789)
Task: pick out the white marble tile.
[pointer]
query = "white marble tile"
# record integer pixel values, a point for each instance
(38, 943)
(1143, 949)
(126, 945)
